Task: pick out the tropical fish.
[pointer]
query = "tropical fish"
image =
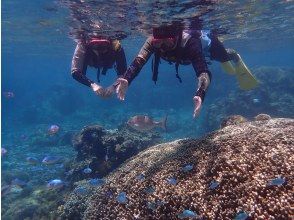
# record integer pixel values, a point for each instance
(187, 168)
(241, 216)
(5, 190)
(276, 182)
(3, 151)
(145, 123)
(96, 182)
(48, 160)
(152, 205)
(150, 190)
(213, 184)
(8, 95)
(187, 214)
(32, 160)
(53, 129)
(18, 182)
(122, 198)
(255, 101)
(172, 181)
(87, 170)
(55, 184)
(81, 190)
(140, 177)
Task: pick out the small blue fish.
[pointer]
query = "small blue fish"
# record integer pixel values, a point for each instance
(187, 214)
(140, 177)
(122, 198)
(109, 194)
(52, 160)
(55, 184)
(152, 205)
(213, 184)
(187, 168)
(18, 182)
(150, 190)
(256, 101)
(172, 181)
(87, 170)
(32, 160)
(276, 182)
(96, 182)
(81, 190)
(241, 216)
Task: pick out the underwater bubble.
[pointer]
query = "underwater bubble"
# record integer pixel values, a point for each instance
(241, 216)
(187, 168)
(122, 198)
(187, 214)
(96, 182)
(172, 181)
(81, 190)
(87, 170)
(150, 190)
(213, 184)
(140, 177)
(276, 182)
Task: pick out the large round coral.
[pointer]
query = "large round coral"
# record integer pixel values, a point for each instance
(229, 171)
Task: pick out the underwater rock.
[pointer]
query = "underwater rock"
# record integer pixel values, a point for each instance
(103, 150)
(273, 96)
(262, 117)
(243, 158)
(233, 120)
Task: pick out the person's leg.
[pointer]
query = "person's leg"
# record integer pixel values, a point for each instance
(222, 55)
(232, 63)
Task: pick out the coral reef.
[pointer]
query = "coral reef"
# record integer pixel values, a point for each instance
(103, 150)
(227, 172)
(273, 96)
(233, 120)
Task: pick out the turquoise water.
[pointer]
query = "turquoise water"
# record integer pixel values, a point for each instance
(37, 48)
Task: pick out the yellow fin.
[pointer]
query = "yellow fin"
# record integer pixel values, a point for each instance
(228, 67)
(245, 78)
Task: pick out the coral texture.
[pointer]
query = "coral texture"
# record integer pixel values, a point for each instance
(242, 159)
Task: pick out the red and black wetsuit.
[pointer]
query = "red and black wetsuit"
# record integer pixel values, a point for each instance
(188, 51)
(85, 56)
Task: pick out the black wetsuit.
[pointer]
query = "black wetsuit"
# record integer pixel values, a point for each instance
(188, 51)
(84, 56)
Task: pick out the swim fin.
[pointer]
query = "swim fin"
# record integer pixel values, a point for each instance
(245, 78)
(228, 67)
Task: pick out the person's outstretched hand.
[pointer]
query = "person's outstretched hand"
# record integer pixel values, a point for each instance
(97, 89)
(197, 106)
(121, 88)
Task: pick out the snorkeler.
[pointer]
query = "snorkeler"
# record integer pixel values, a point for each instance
(101, 53)
(177, 45)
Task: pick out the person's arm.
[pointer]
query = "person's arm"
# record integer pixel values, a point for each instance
(203, 74)
(200, 66)
(121, 62)
(78, 67)
(136, 66)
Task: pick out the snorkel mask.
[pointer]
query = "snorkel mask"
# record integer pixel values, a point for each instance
(99, 44)
(165, 37)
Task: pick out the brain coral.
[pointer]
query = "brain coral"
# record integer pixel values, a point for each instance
(230, 171)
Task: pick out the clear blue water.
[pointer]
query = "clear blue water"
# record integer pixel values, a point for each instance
(37, 47)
